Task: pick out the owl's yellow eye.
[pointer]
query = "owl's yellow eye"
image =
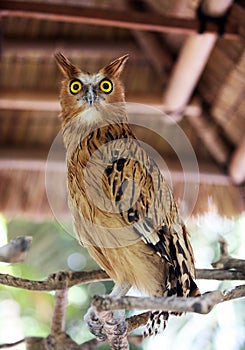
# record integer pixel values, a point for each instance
(75, 86)
(106, 86)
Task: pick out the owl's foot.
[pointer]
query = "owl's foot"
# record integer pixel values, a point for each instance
(115, 323)
(94, 324)
(109, 325)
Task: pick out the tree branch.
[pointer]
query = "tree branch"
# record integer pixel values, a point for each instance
(226, 262)
(10, 345)
(202, 304)
(59, 312)
(226, 268)
(137, 321)
(62, 341)
(67, 279)
(59, 342)
(221, 274)
(16, 250)
(55, 281)
(66, 343)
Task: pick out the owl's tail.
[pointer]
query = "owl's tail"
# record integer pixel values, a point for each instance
(156, 323)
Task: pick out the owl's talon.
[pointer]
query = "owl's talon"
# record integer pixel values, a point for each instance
(97, 331)
(94, 325)
(117, 325)
(121, 328)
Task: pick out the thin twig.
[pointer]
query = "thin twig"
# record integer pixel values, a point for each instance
(10, 345)
(16, 250)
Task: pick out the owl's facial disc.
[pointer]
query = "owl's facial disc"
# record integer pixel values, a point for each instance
(89, 90)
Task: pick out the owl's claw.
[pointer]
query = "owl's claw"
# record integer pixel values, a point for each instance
(120, 327)
(94, 325)
(111, 324)
(97, 331)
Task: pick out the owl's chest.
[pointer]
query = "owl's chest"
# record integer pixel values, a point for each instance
(89, 159)
(87, 175)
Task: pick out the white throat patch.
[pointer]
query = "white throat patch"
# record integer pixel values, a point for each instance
(91, 115)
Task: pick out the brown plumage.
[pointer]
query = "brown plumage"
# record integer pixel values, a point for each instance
(124, 212)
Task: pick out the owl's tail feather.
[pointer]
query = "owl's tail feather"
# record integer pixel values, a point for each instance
(158, 319)
(156, 323)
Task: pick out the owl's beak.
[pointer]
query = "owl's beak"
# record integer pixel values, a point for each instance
(90, 96)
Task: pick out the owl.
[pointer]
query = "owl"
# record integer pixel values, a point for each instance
(123, 210)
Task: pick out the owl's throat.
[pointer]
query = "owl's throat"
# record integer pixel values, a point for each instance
(91, 116)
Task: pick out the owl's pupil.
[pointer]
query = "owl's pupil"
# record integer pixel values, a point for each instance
(106, 86)
(76, 87)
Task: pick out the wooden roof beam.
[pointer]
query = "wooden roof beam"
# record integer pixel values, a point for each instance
(36, 160)
(72, 48)
(29, 102)
(49, 102)
(98, 16)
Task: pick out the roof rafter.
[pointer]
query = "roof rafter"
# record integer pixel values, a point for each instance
(32, 159)
(46, 48)
(123, 19)
(49, 102)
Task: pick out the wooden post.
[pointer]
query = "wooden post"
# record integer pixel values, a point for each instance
(237, 164)
(187, 70)
(191, 61)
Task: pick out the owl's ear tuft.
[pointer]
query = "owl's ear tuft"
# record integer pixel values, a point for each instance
(67, 68)
(115, 68)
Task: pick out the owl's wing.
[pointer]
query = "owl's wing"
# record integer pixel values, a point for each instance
(146, 202)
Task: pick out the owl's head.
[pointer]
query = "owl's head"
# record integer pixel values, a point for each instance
(82, 90)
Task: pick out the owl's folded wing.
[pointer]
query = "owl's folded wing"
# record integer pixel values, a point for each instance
(146, 202)
(143, 199)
